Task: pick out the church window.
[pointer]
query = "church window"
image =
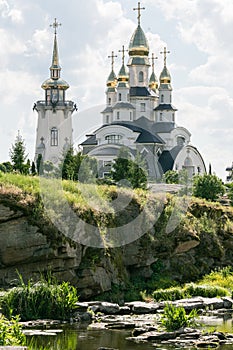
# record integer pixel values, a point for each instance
(180, 141)
(107, 119)
(131, 116)
(61, 95)
(160, 117)
(142, 107)
(54, 137)
(120, 97)
(113, 138)
(48, 96)
(141, 77)
(162, 98)
(170, 98)
(118, 115)
(173, 117)
(109, 101)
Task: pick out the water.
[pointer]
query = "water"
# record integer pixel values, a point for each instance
(77, 337)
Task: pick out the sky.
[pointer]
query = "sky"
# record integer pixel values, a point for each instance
(198, 34)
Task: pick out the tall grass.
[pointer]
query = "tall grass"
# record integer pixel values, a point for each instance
(45, 299)
(11, 332)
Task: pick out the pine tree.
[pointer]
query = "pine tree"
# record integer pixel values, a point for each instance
(17, 154)
(33, 169)
(40, 165)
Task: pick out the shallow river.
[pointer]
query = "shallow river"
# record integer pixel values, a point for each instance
(79, 338)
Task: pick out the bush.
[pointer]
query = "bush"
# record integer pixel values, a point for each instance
(11, 332)
(173, 317)
(207, 186)
(205, 291)
(41, 300)
(173, 293)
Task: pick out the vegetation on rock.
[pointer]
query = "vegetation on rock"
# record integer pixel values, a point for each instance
(174, 318)
(11, 332)
(208, 186)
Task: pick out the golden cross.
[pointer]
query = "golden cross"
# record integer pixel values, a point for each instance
(123, 53)
(55, 25)
(153, 58)
(112, 57)
(139, 8)
(165, 52)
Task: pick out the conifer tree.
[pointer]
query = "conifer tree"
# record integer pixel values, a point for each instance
(18, 154)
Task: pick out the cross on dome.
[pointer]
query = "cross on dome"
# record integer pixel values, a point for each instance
(55, 25)
(153, 58)
(165, 52)
(139, 8)
(123, 54)
(112, 57)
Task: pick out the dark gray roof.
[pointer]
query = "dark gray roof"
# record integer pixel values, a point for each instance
(106, 151)
(164, 127)
(145, 135)
(139, 91)
(91, 140)
(167, 158)
(165, 106)
(123, 105)
(107, 110)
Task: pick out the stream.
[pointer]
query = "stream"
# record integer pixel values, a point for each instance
(78, 337)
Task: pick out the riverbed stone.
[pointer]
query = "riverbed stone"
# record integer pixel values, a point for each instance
(140, 307)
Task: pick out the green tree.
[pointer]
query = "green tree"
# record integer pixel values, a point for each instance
(40, 164)
(8, 166)
(68, 164)
(128, 171)
(171, 177)
(18, 154)
(33, 169)
(2, 168)
(208, 186)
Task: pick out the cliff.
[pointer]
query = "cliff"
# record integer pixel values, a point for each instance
(33, 242)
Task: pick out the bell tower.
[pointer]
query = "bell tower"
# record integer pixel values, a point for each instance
(54, 128)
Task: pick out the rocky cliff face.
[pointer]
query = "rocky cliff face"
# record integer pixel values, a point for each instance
(203, 241)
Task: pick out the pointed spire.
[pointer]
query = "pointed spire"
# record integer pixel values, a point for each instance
(165, 77)
(55, 69)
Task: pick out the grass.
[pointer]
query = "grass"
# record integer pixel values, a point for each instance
(11, 333)
(43, 300)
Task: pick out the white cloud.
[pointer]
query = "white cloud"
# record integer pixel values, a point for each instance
(14, 13)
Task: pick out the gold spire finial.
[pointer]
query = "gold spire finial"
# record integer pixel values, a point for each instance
(139, 8)
(55, 25)
(123, 54)
(112, 57)
(153, 58)
(165, 52)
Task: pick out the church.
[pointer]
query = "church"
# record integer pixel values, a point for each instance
(139, 115)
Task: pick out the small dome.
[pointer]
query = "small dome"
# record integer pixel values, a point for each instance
(123, 75)
(153, 82)
(138, 44)
(165, 77)
(59, 84)
(112, 80)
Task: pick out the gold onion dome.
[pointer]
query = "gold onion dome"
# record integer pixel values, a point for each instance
(138, 45)
(165, 77)
(123, 75)
(112, 80)
(153, 82)
(58, 84)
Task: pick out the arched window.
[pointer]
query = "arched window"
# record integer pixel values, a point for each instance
(173, 117)
(109, 101)
(141, 77)
(113, 138)
(180, 141)
(54, 137)
(107, 119)
(119, 96)
(118, 115)
(162, 98)
(160, 116)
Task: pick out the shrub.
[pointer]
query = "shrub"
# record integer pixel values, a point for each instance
(173, 293)
(11, 332)
(206, 291)
(41, 300)
(173, 317)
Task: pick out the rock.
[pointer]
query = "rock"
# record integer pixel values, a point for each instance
(227, 302)
(186, 246)
(120, 325)
(139, 307)
(207, 345)
(109, 308)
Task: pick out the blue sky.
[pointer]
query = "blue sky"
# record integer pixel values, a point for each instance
(197, 32)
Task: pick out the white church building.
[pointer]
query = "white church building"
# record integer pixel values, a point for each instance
(139, 115)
